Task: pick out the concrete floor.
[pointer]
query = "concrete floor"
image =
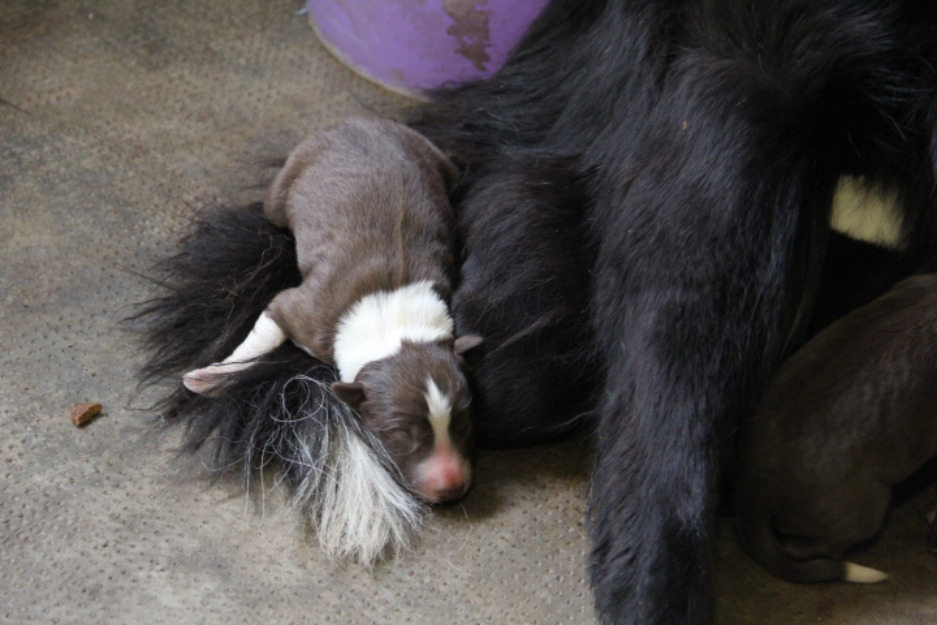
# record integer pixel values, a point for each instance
(118, 120)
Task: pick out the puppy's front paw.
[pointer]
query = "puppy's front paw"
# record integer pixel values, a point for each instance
(207, 380)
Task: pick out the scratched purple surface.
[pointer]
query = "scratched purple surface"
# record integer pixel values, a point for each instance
(411, 45)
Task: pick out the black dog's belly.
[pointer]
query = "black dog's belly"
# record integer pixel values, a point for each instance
(525, 289)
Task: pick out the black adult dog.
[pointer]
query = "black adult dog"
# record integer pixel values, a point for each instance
(671, 163)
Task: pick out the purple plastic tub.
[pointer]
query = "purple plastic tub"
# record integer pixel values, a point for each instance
(412, 45)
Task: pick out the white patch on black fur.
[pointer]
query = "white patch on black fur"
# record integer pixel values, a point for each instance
(858, 574)
(376, 325)
(354, 495)
(866, 212)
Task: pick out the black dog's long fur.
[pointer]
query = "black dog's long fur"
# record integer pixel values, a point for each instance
(693, 148)
(526, 287)
(224, 272)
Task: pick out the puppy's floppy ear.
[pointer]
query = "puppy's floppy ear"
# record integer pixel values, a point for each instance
(352, 393)
(466, 343)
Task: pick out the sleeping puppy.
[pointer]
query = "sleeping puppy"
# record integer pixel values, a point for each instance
(847, 417)
(366, 201)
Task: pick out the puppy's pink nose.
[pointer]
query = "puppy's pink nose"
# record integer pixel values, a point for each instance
(445, 477)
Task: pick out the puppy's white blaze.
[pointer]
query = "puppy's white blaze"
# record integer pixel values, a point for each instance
(440, 414)
(445, 468)
(859, 574)
(378, 323)
(865, 212)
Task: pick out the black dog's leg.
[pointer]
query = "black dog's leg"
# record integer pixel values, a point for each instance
(712, 232)
(695, 288)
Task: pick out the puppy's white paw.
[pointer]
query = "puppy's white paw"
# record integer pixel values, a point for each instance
(208, 380)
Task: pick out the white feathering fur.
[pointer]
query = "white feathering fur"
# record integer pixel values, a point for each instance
(364, 512)
(376, 325)
(360, 512)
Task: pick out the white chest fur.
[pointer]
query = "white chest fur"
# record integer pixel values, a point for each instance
(378, 323)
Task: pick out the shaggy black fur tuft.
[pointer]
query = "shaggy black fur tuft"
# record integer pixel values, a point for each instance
(281, 409)
(220, 279)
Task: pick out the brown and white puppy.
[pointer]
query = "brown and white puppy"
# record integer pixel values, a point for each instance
(367, 203)
(847, 417)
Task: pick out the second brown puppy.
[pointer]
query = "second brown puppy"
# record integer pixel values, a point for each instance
(847, 417)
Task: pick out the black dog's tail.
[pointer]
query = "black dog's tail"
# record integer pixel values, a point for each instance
(281, 409)
(784, 557)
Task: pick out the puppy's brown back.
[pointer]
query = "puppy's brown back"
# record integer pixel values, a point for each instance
(367, 201)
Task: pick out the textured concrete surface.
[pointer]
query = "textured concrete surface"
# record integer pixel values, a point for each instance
(118, 120)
